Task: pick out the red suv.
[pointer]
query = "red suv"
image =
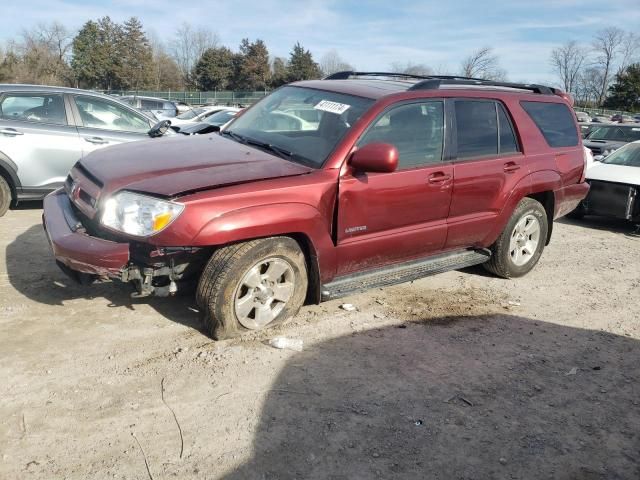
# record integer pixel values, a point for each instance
(325, 188)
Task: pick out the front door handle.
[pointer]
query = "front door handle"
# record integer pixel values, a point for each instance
(10, 131)
(511, 167)
(439, 177)
(96, 140)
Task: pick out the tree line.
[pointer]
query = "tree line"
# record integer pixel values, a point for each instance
(602, 73)
(107, 55)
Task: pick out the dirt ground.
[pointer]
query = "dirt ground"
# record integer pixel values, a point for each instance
(458, 376)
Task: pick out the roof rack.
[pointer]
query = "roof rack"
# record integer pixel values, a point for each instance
(347, 74)
(434, 82)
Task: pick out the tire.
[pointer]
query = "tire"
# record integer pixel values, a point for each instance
(515, 252)
(5, 196)
(239, 287)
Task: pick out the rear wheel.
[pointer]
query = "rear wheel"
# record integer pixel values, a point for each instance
(5, 196)
(519, 246)
(251, 286)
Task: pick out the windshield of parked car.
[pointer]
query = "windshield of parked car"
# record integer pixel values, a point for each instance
(304, 124)
(191, 113)
(615, 134)
(628, 156)
(220, 118)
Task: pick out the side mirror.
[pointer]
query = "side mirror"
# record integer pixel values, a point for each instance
(159, 129)
(375, 157)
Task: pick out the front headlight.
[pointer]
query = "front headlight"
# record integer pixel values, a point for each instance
(139, 215)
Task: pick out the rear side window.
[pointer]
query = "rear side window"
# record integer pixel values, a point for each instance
(40, 108)
(150, 104)
(477, 128)
(508, 143)
(555, 122)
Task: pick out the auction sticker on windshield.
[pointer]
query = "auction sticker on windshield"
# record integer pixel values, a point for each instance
(332, 107)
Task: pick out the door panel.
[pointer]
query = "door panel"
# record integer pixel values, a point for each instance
(388, 217)
(481, 189)
(35, 135)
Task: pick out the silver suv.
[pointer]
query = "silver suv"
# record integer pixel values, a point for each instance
(44, 131)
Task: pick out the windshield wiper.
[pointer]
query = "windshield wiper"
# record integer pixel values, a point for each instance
(281, 152)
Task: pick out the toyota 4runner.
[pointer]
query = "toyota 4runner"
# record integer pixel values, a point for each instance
(397, 177)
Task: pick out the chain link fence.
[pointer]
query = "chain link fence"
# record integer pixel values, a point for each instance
(219, 97)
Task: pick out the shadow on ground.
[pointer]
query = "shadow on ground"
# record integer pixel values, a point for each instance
(453, 398)
(27, 254)
(614, 225)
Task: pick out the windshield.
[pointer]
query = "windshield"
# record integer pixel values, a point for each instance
(305, 122)
(191, 114)
(220, 118)
(628, 156)
(616, 134)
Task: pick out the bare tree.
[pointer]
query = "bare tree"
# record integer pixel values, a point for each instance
(189, 45)
(483, 63)
(629, 50)
(567, 60)
(411, 68)
(332, 62)
(606, 46)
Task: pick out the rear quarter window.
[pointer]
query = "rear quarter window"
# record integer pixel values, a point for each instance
(555, 121)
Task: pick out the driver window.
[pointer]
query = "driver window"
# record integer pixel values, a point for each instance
(100, 113)
(415, 129)
(40, 108)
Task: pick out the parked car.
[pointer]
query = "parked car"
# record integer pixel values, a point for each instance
(198, 115)
(600, 119)
(607, 138)
(615, 186)
(214, 123)
(45, 130)
(381, 192)
(587, 128)
(158, 108)
(583, 117)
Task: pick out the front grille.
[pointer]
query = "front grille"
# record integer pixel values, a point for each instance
(84, 190)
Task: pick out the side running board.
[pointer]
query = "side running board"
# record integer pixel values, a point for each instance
(403, 272)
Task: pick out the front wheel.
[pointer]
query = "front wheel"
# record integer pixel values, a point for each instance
(251, 286)
(519, 246)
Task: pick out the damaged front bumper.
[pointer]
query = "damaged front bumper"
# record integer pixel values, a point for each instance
(85, 257)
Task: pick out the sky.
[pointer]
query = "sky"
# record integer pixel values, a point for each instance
(371, 35)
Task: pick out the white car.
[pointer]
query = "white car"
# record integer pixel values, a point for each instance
(615, 185)
(198, 115)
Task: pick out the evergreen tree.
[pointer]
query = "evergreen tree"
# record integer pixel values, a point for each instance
(253, 72)
(279, 72)
(215, 69)
(136, 67)
(624, 94)
(302, 65)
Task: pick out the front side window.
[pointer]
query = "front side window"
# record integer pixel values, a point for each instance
(477, 128)
(272, 123)
(555, 121)
(40, 108)
(103, 114)
(415, 129)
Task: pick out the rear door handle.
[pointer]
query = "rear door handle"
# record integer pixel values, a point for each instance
(439, 177)
(511, 167)
(10, 131)
(96, 140)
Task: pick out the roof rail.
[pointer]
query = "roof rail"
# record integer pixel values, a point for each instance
(435, 82)
(348, 74)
